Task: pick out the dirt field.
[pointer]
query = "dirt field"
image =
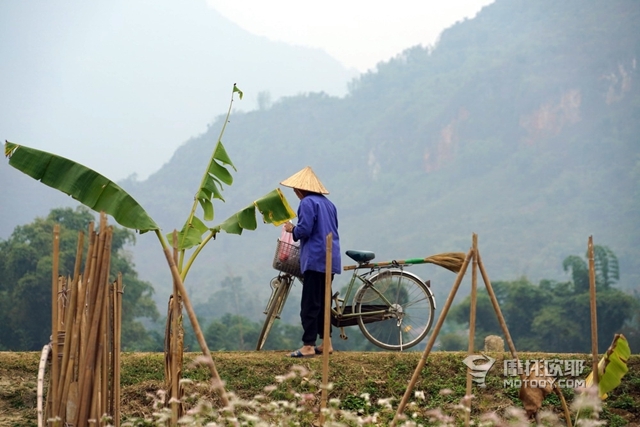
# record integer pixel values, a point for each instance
(380, 374)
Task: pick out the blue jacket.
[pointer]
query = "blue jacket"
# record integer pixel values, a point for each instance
(317, 217)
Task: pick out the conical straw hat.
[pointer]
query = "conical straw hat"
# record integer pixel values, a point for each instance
(305, 180)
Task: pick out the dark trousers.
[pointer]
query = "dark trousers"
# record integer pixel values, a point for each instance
(312, 306)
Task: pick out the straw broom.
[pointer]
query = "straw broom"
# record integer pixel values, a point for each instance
(452, 261)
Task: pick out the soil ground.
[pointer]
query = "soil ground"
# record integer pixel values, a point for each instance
(379, 374)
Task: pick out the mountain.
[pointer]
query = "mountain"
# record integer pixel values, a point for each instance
(119, 85)
(520, 125)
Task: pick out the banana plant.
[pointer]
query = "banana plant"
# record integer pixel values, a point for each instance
(273, 206)
(103, 195)
(612, 366)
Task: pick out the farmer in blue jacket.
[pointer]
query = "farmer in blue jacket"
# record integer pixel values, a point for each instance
(317, 217)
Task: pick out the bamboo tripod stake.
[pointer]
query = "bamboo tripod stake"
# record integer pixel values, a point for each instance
(432, 339)
(472, 326)
(473, 254)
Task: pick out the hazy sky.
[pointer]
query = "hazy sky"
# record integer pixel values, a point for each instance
(359, 33)
(119, 85)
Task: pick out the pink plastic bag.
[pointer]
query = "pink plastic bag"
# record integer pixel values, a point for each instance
(287, 238)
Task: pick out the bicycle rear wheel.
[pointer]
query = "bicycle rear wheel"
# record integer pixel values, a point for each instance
(395, 309)
(275, 307)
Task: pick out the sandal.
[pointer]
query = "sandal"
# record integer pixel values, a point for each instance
(299, 354)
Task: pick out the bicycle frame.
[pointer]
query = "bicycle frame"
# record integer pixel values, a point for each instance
(282, 278)
(340, 313)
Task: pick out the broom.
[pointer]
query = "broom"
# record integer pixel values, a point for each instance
(452, 261)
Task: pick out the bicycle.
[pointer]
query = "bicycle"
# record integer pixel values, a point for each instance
(393, 307)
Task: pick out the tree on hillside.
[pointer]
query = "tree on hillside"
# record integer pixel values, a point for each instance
(605, 265)
(25, 280)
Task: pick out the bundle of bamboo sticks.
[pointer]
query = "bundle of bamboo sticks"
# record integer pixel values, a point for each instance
(84, 381)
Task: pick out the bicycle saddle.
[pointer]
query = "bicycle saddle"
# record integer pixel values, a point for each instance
(360, 256)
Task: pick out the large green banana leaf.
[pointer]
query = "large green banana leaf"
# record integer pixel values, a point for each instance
(612, 367)
(274, 209)
(83, 184)
(216, 175)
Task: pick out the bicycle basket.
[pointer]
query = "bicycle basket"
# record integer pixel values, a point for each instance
(287, 259)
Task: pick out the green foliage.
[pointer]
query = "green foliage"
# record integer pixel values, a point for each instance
(552, 316)
(273, 206)
(237, 333)
(83, 184)
(25, 280)
(611, 367)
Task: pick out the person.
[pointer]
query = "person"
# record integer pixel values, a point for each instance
(317, 217)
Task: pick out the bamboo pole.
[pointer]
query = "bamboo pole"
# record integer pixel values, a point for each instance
(54, 322)
(432, 339)
(327, 328)
(173, 344)
(88, 374)
(111, 358)
(116, 350)
(94, 401)
(594, 315)
(95, 346)
(505, 331)
(66, 352)
(496, 308)
(104, 344)
(68, 357)
(472, 325)
(196, 326)
(95, 246)
(71, 395)
(105, 329)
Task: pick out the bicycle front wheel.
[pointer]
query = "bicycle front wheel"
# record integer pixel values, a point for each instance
(283, 285)
(395, 309)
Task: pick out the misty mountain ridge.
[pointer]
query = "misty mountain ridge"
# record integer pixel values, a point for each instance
(520, 125)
